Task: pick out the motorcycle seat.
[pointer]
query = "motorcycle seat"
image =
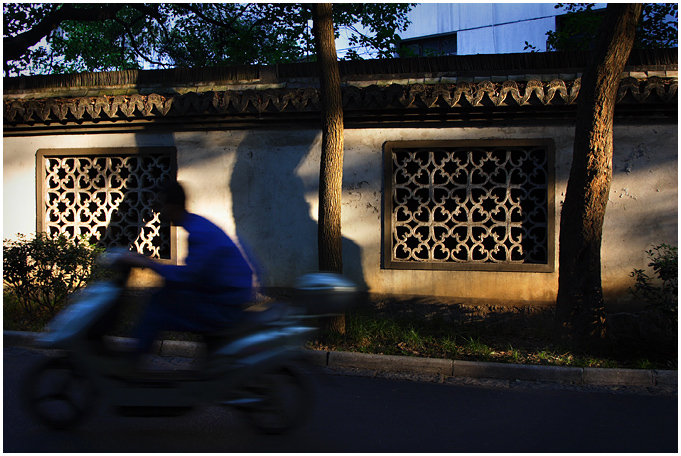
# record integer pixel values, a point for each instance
(275, 311)
(250, 321)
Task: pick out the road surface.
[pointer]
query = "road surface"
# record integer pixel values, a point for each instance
(364, 414)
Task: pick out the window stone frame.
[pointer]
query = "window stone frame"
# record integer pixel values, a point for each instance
(41, 190)
(388, 262)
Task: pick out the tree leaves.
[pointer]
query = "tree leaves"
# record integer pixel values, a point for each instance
(104, 37)
(658, 27)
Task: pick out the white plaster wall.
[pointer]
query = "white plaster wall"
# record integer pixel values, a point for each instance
(642, 210)
(19, 164)
(262, 188)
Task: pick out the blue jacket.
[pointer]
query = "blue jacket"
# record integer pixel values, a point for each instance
(214, 263)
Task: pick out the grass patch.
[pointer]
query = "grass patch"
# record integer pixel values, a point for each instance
(521, 336)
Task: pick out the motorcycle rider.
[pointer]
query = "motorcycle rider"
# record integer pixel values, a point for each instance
(207, 293)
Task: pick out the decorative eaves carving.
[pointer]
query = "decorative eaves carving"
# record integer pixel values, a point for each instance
(665, 90)
(460, 96)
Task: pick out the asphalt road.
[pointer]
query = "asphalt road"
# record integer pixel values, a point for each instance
(354, 413)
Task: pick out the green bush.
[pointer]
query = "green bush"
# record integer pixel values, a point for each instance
(43, 271)
(662, 295)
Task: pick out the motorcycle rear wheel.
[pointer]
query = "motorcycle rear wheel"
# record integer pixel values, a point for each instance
(285, 401)
(59, 394)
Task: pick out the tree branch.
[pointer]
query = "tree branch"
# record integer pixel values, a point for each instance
(209, 20)
(16, 46)
(133, 44)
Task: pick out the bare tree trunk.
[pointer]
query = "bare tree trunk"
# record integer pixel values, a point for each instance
(579, 307)
(329, 238)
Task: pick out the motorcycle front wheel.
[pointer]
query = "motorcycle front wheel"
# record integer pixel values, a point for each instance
(285, 401)
(59, 394)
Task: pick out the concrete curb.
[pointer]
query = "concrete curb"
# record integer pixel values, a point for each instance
(410, 364)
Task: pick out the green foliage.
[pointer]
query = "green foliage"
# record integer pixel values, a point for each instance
(478, 347)
(658, 27)
(235, 33)
(96, 46)
(579, 28)
(43, 271)
(192, 34)
(530, 47)
(645, 364)
(21, 17)
(662, 295)
(380, 24)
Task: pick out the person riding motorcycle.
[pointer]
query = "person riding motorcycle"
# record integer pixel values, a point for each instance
(205, 294)
(251, 369)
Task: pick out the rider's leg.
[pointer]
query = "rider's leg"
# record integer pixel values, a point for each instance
(172, 309)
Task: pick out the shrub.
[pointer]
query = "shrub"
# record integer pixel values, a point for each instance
(662, 296)
(43, 271)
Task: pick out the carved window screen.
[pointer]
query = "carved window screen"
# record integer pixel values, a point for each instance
(106, 195)
(469, 205)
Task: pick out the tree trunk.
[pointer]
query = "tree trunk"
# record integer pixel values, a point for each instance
(329, 238)
(579, 307)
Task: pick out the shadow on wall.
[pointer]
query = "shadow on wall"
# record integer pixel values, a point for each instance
(271, 214)
(133, 224)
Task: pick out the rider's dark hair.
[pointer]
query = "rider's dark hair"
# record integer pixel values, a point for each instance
(173, 193)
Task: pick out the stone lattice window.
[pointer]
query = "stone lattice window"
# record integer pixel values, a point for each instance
(106, 195)
(477, 204)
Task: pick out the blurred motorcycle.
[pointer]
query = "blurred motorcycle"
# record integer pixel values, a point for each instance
(251, 367)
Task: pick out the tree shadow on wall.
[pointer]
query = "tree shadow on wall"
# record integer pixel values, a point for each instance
(268, 186)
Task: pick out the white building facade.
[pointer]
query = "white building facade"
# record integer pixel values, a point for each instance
(482, 28)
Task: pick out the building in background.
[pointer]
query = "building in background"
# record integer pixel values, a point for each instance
(480, 28)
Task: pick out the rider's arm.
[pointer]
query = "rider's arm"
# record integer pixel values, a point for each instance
(201, 253)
